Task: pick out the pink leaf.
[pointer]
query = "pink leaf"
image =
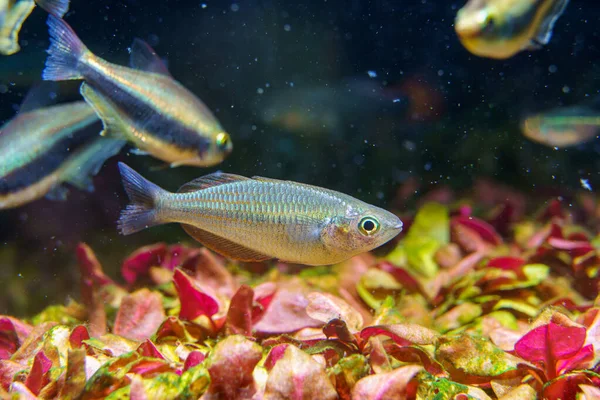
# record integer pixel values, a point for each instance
(506, 263)
(194, 358)
(148, 349)
(78, 335)
(37, 377)
(390, 385)
(239, 316)
(326, 307)
(275, 355)
(578, 361)
(139, 315)
(402, 334)
(576, 248)
(148, 367)
(138, 263)
(194, 303)
(485, 230)
(12, 333)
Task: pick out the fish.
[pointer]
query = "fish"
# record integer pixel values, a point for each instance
(143, 104)
(317, 110)
(258, 219)
(502, 28)
(14, 12)
(564, 126)
(44, 148)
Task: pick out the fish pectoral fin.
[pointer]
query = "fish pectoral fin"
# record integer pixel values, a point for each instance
(88, 161)
(544, 32)
(14, 18)
(214, 179)
(223, 246)
(57, 193)
(144, 58)
(139, 152)
(534, 44)
(106, 111)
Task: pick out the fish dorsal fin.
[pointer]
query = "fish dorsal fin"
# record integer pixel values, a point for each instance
(544, 32)
(144, 58)
(223, 246)
(41, 95)
(215, 179)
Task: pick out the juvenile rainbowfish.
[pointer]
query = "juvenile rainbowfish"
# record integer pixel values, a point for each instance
(14, 12)
(563, 127)
(502, 28)
(257, 219)
(44, 148)
(145, 105)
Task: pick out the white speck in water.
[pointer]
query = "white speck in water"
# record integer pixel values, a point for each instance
(585, 184)
(203, 5)
(566, 89)
(235, 7)
(260, 90)
(441, 72)
(287, 27)
(396, 100)
(427, 166)
(552, 69)
(372, 74)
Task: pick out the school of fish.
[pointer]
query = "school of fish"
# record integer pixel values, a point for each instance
(50, 146)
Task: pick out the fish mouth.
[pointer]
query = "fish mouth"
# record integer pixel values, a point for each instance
(399, 225)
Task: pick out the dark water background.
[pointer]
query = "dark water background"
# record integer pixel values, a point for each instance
(239, 56)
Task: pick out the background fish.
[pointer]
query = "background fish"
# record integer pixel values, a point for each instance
(147, 107)
(502, 28)
(43, 148)
(256, 219)
(563, 127)
(14, 12)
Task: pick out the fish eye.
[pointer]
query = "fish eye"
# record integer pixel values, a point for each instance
(223, 141)
(368, 226)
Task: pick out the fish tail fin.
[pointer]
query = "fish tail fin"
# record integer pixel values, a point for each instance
(141, 213)
(54, 7)
(65, 52)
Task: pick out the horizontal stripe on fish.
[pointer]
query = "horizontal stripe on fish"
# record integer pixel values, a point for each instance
(33, 134)
(48, 161)
(144, 113)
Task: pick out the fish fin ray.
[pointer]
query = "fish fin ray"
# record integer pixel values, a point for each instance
(105, 109)
(223, 246)
(144, 58)
(143, 194)
(57, 193)
(40, 95)
(214, 179)
(54, 7)
(88, 161)
(544, 32)
(65, 52)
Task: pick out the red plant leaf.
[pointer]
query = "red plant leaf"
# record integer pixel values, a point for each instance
(565, 387)
(506, 263)
(8, 370)
(194, 358)
(337, 328)
(37, 377)
(138, 263)
(553, 210)
(297, 375)
(210, 272)
(402, 276)
(239, 315)
(194, 303)
(575, 248)
(275, 355)
(579, 360)
(12, 333)
(414, 354)
(389, 385)
(263, 296)
(230, 366)
(150, 367)
(549, 343)
(140, 315)
(485, 230)
(92, 279)
(149, 349)
(402, 334)
(78, 335)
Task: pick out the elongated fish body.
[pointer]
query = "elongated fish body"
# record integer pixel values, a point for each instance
(144, 105)
(502, 28)
(256, 219)
(563, 127)
(14, 12)
(43, 148)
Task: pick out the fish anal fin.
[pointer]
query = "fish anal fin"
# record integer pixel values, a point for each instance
(88, 161)
(106, 111)
(223, 246)
(215, 179)
(57, 193)
(144, 58)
